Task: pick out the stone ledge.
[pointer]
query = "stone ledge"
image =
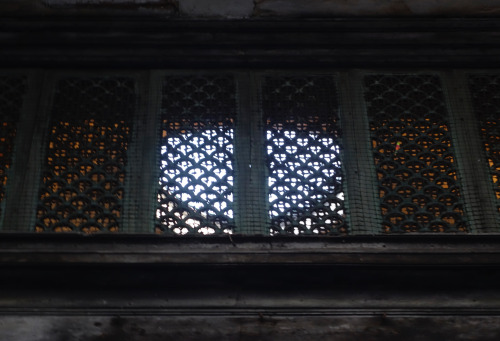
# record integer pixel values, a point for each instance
(396, 250)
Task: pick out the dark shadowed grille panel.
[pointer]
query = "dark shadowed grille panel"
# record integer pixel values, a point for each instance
(84, 172)
(413, 155)
(303, 147)
(12, 90)
(196, 178)
(486, 99)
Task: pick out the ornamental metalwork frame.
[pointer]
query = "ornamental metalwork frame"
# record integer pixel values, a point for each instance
(251, 190)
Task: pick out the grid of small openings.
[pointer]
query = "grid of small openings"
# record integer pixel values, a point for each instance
(82, 187)
(485, 90)
(413, 155)
(196, 172)
(12, 91)
(303, 155)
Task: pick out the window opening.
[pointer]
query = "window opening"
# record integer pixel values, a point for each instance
(413, 155)
(485, 91)
(303, 156)
(196, 157)
(12, 90)
(84, 172)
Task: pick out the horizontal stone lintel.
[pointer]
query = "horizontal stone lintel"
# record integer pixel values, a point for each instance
(122, 43)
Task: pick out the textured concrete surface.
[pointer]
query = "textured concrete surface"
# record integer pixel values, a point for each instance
(325, 8)
(241, 9)
(98, 5)
(251, 327)
(98, 2)
(217, 8)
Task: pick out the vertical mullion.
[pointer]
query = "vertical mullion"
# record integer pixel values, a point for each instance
(250, 171)
(23, 194)
(10, 174)
(361, 192)
(141, 175)
(478, 196)
(18, 175)
(152, 143)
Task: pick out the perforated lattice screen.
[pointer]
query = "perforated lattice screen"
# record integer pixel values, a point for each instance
(12, 90)
(485, 91)
(303, 155)
(413, 154)
(84, 172)
(196, 178)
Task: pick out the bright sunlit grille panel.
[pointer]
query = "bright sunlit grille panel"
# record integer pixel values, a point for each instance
(303, 156)
(196, 157)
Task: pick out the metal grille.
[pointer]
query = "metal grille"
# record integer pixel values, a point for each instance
(303, 155)
(196, 177)
(486, 100)
(12, 90)
(83, 178)
(413, 154)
